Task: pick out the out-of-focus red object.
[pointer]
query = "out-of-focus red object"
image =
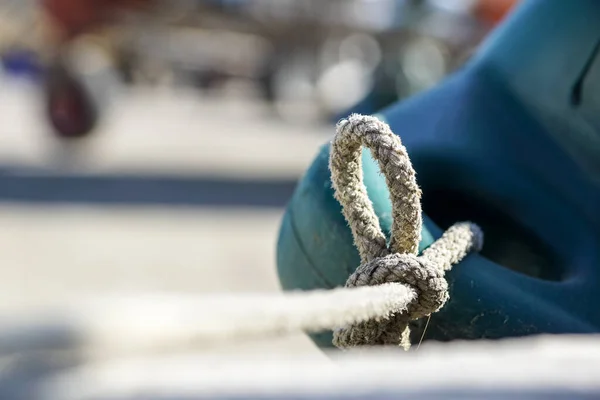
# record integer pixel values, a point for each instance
(73, 17)
(494, 11)
(69, 106)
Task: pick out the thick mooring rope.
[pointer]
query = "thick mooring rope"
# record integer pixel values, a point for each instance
(397, 262)
(391, 287)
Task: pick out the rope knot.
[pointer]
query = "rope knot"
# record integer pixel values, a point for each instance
(420, 274)
(397, 262)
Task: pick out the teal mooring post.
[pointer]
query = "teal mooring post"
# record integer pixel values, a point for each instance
(511, 142)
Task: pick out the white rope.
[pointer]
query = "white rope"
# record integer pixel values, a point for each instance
(122, 325)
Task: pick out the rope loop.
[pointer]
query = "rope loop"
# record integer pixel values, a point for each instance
(397, 262)
(345, 164)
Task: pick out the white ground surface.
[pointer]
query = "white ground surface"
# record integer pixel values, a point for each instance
(166, 131)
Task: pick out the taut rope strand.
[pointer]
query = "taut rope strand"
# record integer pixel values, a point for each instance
(397, 262)
(119, 325)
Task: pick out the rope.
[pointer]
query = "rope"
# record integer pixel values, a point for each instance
(143, 324)
(391, 287)
(397, 262)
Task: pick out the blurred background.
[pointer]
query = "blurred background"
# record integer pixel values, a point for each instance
(152, 145)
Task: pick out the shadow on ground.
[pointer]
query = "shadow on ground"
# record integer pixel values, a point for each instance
(105, 189)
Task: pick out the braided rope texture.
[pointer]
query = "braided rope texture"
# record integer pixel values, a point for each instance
(397, 262)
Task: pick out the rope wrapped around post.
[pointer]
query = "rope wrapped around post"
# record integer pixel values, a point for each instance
(397, 262)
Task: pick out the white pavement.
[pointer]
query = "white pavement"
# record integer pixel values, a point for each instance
(167, 131)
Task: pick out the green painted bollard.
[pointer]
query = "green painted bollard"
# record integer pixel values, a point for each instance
(511, 142)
